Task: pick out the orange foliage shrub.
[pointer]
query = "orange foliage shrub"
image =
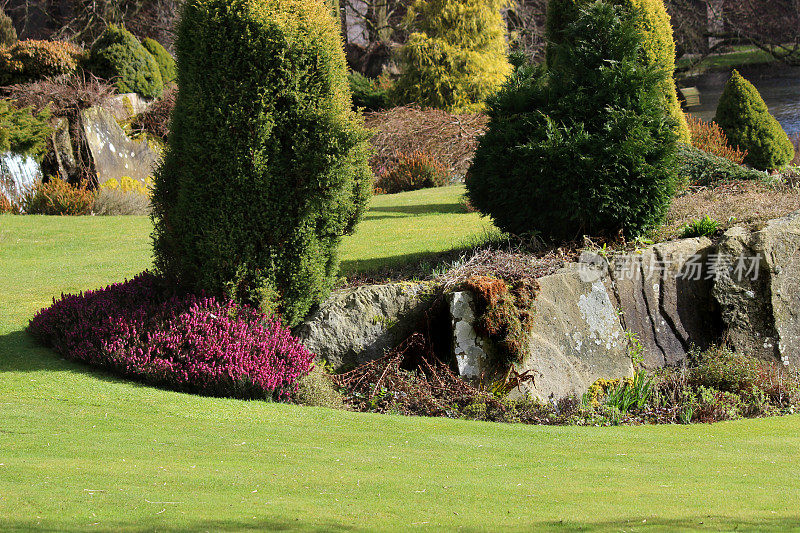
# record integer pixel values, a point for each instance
(411, 172)
(57, 197)
(709, 137)
(34, 60)
(5, 204)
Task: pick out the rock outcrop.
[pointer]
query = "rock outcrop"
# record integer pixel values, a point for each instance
(758, 289)
(472, 352)
(664, 294)
(672, 297)
(358, 325)
(576, 337)
(114, 153)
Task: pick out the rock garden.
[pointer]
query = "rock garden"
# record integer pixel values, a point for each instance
(249, 227)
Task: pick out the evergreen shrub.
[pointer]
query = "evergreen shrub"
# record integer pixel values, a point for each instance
(456, 55)
(266, 165)
(119, 56)
(583, 147)
(22, 131)
(411, 172)
(8, 35)
(35, 60)
(166, 63)
(746, 121)
(658, 47)
(698, 167)
(368, 94)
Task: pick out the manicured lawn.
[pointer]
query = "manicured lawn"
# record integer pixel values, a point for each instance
(740, 56)
(80, 450)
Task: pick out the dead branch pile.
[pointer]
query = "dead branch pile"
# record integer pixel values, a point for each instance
(66, 96)
(410, 380)
(451, 139)
(509, 266)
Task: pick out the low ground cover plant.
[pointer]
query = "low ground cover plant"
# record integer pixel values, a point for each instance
(696, 167)
(700, 227)
(713, 386)
(149, 331)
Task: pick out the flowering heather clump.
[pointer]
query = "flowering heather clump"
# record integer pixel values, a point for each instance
(145, 330)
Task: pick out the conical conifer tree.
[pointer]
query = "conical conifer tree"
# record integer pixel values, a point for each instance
(266, 165)
(748, 124)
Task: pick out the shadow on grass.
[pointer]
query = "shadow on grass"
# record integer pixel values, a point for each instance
(19, 352)
(703, 523)
(408, 266)
(422, 209)
(276, 524)
(279, 524)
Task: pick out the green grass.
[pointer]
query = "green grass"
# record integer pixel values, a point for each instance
(740, 56)
(408, 226)
(81, 450)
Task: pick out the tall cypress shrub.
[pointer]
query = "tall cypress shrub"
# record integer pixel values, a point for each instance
(8, 35)
(456, 56)
(584, 147)
(744, 117)
(266, 166)
(658, 48)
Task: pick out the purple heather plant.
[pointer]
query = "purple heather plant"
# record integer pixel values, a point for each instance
(149, 331)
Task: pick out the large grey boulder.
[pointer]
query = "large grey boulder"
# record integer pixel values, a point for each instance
(758, 289)
(115, 154)
(665, 295)
(576, 337)
(358, 325)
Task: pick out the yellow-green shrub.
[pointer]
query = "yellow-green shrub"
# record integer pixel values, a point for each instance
(128, 184)
(456, 55)
(746, 121)
(34, 60)
(658, 49)
(166, 63)
(22, 131)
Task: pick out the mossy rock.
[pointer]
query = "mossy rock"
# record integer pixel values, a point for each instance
(166, 63)
(119, 56)
(748, 124)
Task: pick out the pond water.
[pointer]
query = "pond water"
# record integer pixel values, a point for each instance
(778, 85)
